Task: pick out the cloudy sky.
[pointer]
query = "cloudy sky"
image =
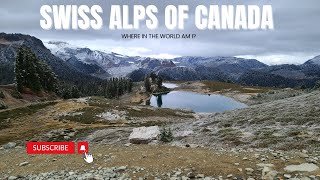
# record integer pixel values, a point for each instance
(295, 39)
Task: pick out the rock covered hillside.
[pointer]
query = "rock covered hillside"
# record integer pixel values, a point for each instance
(280, 124)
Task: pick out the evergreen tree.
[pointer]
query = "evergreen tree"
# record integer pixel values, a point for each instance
(33, 73)
(19, 70)
(153, 77)
(75, 92)
(48, 79)
(130, 85)
(159, 82)
(317, 85)
(37, 75)
(32, 76)
(109, 88)
(7, 74)
(147, 84)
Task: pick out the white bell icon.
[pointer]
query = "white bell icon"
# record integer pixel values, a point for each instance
(82, 148)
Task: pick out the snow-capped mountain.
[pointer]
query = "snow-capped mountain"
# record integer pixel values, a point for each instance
(233, 67)
(183, 68)
(114, 64)
(239, 70)
(78, 65)
(121, 65)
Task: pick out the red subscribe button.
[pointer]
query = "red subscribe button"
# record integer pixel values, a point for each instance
(50, 147)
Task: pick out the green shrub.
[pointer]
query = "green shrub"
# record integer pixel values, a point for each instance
(1, 95)
(317, 85)
(16, 94)
(3, 105)
(166, 135)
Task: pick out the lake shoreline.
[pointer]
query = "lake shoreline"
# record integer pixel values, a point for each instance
(202, 88)
(180, 98)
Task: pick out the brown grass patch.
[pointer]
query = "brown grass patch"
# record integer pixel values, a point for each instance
(223, 86)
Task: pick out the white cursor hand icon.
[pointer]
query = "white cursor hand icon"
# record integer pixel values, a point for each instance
(88, 158)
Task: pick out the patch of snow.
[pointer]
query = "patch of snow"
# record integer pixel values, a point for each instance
(122, 71)
(83, 100)
(114, 115)
(119, 55)
(170, 85)
(109, 116)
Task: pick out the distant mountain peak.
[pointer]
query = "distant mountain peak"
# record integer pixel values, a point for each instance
(21, 39)
(59, 43)
(315, 60)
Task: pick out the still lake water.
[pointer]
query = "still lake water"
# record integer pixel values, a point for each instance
(196, 102)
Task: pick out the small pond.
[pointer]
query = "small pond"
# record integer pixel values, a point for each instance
(196, 102)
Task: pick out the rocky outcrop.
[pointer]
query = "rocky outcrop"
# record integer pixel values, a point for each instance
(305, 167)
(144, 135)
(10, 145)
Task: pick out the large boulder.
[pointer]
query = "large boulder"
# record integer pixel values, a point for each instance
(10, 145)
(144, 135)
(305, 167)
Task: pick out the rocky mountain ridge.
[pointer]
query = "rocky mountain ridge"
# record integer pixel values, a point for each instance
(230, 69)
(72, 63)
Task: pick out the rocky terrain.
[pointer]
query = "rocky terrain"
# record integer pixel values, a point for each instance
(277, 124)
(276, 137)
(162, 162)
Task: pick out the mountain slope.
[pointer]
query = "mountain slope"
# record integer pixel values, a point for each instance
(178, 73)
(285, 75)
(218, 61)
(285, 124)
(220, 68)
(91, 69)
(112, 64)
(9, 45)
(238, 70)
(315, 60)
